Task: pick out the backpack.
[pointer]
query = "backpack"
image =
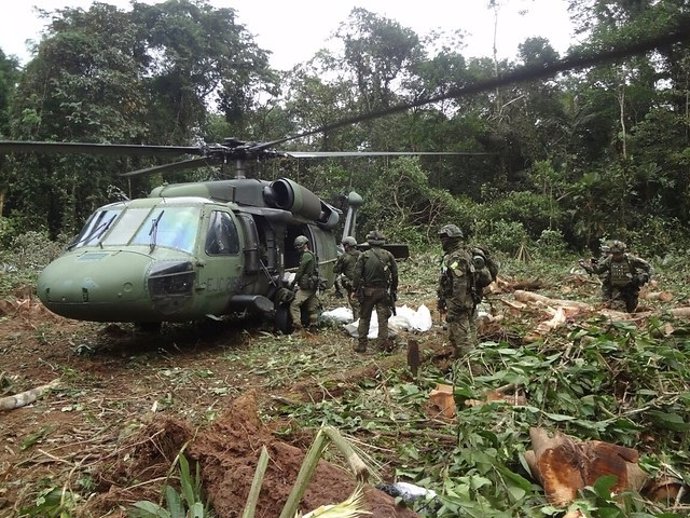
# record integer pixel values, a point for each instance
(485, 267)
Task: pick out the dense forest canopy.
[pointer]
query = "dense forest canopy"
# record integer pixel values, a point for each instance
(585, 155)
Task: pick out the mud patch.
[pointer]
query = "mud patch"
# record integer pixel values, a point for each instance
(227, 452)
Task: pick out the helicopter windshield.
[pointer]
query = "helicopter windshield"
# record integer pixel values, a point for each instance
(96, 227)
(174, 227)
(170, 226)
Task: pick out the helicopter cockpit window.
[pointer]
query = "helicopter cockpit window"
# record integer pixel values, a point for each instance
(174, 227)
(222, 238)
(126, 226)
(96, 227)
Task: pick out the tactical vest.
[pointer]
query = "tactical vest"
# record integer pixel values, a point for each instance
(377, 271)
(446, 280)
(620, 273)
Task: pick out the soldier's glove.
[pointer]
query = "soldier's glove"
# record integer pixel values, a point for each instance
(441, 306)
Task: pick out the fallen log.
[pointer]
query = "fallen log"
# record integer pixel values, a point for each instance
(683, 312)
(558, 320)
(503, 285)
(528, 296)
(26, 398)
(563, 465)
(663, 296)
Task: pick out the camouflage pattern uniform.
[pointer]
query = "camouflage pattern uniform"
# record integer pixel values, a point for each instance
(622, 276)
(456, 291)
(305, 280)
(376, 273)
(345, 269)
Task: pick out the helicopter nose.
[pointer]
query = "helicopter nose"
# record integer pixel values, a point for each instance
(105, 286)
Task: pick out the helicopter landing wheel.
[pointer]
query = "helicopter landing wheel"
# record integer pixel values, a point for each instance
(148, 327)
(282, 321)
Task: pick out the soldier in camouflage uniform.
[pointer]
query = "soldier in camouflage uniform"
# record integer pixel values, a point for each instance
(456, 297)
(375, 283)
(622, 276)
(345, 269)
(306, 282)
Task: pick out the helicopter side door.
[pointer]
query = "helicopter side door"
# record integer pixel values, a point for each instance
(221, 261)
(324, 246)
(259, 250)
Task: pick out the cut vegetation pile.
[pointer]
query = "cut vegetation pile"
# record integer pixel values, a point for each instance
(117, 409)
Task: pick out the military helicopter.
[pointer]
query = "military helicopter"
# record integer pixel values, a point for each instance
(209, 249)
(197, 250)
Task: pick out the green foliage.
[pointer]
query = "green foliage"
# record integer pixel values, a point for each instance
(9, 72)
(599, 380)
(107, 75)
(187, 503)
(601, 153)
(657, 237)
(533, 211)
(401, 198)
(33, 250)
(52, 502)
(25, 255)
(508, 237)
(551, 244)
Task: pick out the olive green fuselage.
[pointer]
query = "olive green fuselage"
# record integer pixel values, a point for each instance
(176, 257)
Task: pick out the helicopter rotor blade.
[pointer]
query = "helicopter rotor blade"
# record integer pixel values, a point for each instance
(175, 166)
(12, 146)
(333, 154)
(678, 32)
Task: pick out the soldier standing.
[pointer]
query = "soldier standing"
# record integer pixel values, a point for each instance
(376, 284)
(456, 292)
(305, 280)
(345, 269)
(622, 276)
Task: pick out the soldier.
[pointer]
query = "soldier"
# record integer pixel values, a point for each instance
(376, 284)
(456, 292)
(305, 280)
(622, 276)
(604, 252)
(345, 269)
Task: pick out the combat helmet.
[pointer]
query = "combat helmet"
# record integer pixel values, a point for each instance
(349, 241)
(452, 231)
(376, 238)
(618, 247)
(300, 241)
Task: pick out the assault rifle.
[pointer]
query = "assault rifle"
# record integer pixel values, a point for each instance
(392, 297)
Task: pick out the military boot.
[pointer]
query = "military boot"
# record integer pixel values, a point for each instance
(385, 345)
(361, 346)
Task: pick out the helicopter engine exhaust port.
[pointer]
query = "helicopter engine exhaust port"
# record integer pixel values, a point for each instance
(289, 195)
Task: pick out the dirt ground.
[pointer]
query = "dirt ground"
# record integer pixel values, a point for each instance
(126, 404)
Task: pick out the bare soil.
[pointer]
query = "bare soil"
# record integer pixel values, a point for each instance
(127, 403)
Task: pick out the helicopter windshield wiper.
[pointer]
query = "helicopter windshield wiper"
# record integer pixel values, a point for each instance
(154, 229)
(96, 233)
